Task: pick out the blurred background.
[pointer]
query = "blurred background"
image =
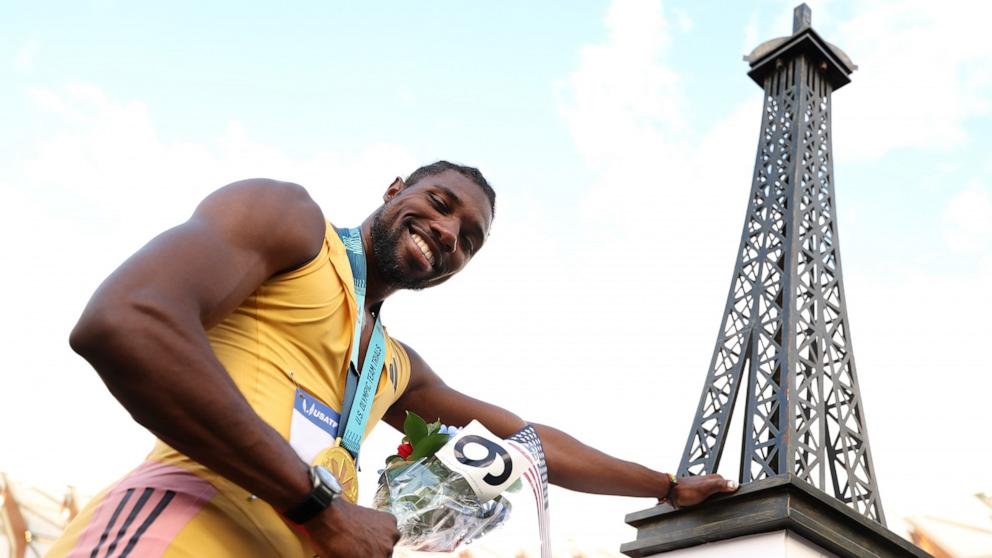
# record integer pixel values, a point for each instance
(620, 137)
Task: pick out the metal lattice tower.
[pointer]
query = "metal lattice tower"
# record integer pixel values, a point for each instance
(785, 330)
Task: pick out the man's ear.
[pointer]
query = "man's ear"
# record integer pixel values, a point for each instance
(395, 188)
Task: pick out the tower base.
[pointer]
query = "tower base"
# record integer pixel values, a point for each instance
(781, 513)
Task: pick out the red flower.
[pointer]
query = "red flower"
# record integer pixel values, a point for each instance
(404, 450)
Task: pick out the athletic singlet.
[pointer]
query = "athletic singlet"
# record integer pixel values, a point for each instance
(294, 332)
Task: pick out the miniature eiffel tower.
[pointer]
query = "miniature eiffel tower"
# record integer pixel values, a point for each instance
(785, 333)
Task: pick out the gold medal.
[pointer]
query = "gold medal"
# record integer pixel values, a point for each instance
(338, 461)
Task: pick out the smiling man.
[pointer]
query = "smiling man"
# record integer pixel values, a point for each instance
(249, 341)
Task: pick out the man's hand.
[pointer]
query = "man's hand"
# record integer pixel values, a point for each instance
(693, 490)
(344, 530)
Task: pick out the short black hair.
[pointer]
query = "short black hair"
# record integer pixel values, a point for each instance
(470, 173)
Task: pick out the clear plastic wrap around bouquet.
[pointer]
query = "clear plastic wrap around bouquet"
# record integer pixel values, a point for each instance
(435, 508)
(445, 485)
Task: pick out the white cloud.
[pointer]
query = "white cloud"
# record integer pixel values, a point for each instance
(621, 98)
(968, 220)
(664, 190)
(924, 72)
(109, 154)
(920, 343)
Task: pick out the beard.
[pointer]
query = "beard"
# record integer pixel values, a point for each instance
(385, 246)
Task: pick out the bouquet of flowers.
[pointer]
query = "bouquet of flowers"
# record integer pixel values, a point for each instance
(445, 485)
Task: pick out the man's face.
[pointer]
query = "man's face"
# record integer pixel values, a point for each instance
(428, 231)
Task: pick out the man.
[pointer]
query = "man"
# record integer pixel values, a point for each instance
(210, 333)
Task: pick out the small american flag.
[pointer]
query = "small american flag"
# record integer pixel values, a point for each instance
(528, 443)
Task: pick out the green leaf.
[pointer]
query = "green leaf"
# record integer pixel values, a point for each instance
(392, 458)
(415, 428)
(434, 427)
(429, 446)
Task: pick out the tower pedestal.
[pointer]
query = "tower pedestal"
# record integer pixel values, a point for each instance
(778, 517)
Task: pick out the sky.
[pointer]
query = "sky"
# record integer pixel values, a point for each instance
(620, 138)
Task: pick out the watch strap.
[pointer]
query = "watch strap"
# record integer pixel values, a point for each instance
(315, 502)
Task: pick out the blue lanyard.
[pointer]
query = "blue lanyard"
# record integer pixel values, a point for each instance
(360, 388)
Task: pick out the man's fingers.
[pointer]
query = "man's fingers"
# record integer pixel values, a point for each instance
(720, 484)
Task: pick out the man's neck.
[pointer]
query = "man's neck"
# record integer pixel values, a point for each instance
(376, 289)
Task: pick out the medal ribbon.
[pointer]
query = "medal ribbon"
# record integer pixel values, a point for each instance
(360, 388)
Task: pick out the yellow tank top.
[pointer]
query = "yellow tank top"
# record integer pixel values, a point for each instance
(296, 330)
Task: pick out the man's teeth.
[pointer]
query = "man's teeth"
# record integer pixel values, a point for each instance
(424, 249)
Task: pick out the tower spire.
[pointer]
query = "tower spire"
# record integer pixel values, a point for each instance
(802, 18)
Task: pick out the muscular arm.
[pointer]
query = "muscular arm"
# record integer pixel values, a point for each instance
(144, 330)
(571, 464)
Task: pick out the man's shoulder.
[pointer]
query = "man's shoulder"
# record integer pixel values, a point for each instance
(266, 190)
(273, 216)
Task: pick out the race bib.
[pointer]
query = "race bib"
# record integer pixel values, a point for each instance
(314, 426)
(488, 463)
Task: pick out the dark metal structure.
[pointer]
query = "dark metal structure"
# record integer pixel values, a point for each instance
(780, 503)
(785, 335)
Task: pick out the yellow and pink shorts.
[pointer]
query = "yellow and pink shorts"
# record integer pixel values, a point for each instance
(162, 510)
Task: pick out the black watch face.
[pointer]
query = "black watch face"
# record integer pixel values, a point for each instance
(327, 479)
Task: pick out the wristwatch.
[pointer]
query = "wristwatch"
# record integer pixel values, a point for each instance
(325, 489)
